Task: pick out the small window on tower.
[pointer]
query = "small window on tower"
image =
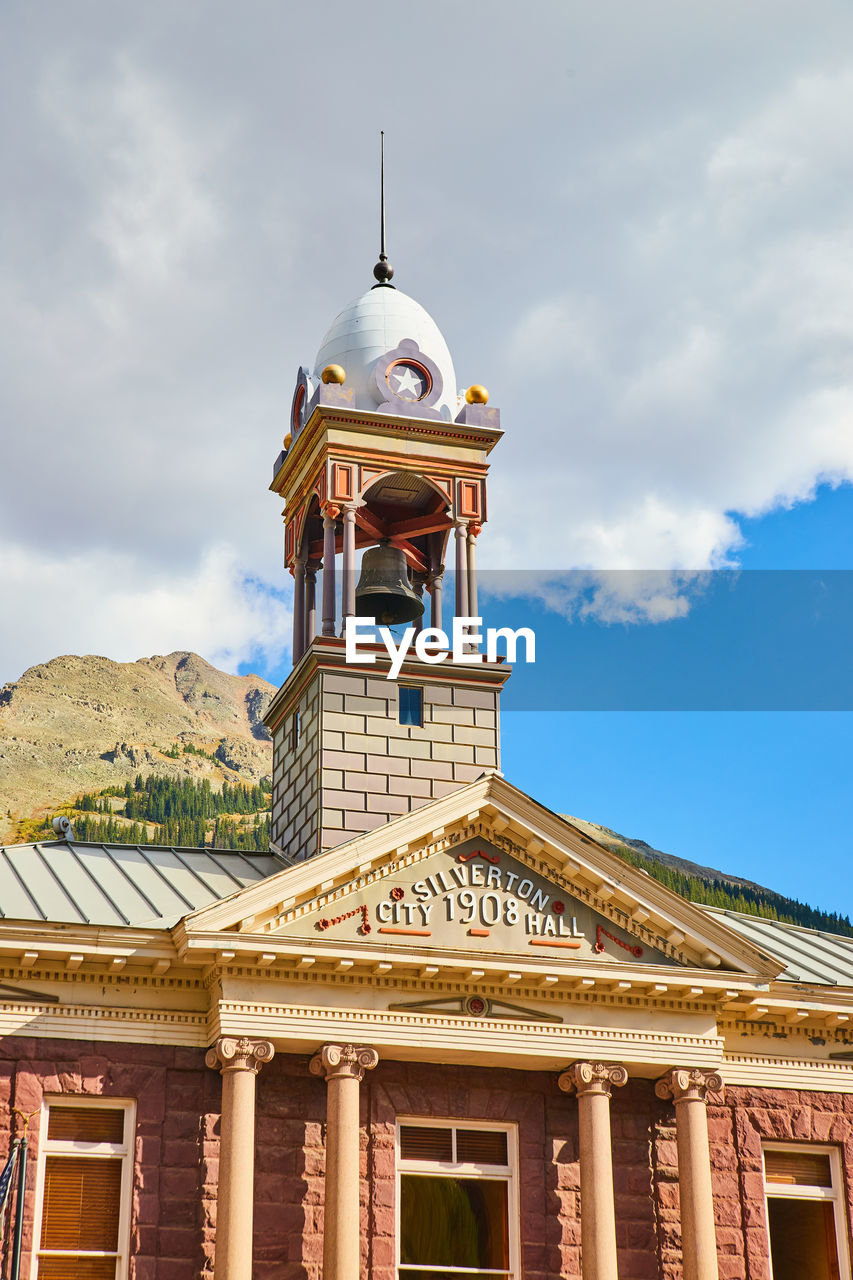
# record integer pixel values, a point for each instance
(295, 731)
(410, 705)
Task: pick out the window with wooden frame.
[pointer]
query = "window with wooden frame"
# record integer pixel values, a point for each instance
(806, 1219)
(457, 1201)
(85, 1178)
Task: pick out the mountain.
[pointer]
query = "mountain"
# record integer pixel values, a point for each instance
(79, 724)
(95, 731)
(713, 888)
(646, 852)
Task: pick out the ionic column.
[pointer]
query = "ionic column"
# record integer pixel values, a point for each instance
(474, 531)
(330, 517)
(311, 600)
(461, 531)
(239, 1060)
(343, 1067)
(348, 610)
(688, 1090)
(593, 1081)
(298, 608)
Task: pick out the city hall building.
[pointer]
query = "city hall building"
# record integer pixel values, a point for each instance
(437, 1033)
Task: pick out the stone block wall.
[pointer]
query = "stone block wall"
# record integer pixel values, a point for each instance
(175, 1164)
(296, 778)
(374, 769)
(354, 766)
(177, 1152)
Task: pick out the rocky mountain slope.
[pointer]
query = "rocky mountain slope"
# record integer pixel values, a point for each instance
(79, 724)
(610, 838)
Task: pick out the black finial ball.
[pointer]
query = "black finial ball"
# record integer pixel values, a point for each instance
(383, 271)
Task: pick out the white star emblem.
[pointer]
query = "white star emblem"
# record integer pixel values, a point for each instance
(408, 380)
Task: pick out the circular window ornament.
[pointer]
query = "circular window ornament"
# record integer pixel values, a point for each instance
(477, 1006)
(408, 379)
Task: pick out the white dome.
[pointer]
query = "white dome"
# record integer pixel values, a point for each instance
(375, 324)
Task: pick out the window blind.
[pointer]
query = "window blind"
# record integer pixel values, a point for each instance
(85, 1124)
(82, 1201)
(481, 1146)
(417, 1142)
(77, 1268)
(798, 1168)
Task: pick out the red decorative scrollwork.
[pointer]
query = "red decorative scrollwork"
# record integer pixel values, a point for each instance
(365, 926)
(626, 946)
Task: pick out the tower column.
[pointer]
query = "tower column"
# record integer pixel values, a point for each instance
(239, 1061)
(348, 610)
(298, 608)
(343, 1067)
(434, 584)
(311, 600)
(330, 517)
(592, 1082)
(418, 582)
(461, 530)
(688, 1090)
(474, 531)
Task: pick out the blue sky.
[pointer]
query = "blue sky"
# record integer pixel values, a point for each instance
(764, 794)
(633, 223)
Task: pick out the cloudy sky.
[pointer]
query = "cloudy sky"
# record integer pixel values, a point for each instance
(633, 222)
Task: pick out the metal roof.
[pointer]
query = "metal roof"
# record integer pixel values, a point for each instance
(154, 886)
(809, 955)
(144, 886)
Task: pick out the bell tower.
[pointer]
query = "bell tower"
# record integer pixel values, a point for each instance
(383, 454)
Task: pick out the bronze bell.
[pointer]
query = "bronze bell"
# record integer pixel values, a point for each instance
(383, 590)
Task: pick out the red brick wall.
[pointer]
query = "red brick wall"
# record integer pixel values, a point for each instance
(737, 1129)
(177, 1150)
(177, 1106)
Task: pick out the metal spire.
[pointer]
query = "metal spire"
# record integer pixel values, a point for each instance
(383, 271)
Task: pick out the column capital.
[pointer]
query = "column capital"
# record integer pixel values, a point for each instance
(330, 511)
(685, 1084)
(239, 1053)
(342, 1061)
(592, 1077)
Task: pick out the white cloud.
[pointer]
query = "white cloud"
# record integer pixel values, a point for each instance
(722, 379)
(110, 604)
(634, 226)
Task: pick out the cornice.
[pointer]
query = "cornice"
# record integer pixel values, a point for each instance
(787, 1073)
(88, 1022)
(323, 417)
(427, 1037)
(442, 971)
(31, 947)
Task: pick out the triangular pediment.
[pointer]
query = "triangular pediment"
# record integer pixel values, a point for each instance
(490, 872)
(472, 894)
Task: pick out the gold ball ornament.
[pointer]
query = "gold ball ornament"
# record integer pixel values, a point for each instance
(334, 373)
(477, 395)
(287, 440)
